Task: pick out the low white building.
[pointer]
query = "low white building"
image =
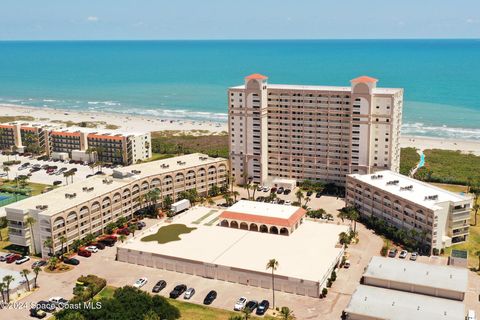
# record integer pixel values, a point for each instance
(441, 218)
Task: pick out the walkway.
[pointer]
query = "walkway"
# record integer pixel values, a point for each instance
(420, 164)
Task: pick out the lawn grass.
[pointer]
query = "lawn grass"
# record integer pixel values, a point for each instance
(409, 159)
(198, 312)
(159, 156)
(205, 216)
(36, 188)
(168, 233)
(4, 243)
(106, 292)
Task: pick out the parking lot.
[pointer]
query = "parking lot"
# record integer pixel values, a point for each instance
(42, 176)
(119, 274)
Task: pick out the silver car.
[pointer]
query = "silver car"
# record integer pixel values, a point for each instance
(189, 293)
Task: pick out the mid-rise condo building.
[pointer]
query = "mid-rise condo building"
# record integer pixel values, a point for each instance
(88, 206)
(84, 144)
(312, 132)
(439, 217)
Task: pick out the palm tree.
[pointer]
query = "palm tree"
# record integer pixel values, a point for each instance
(48, 243)
(299, 195)
(273, 265)
(24, 273)
(344, 238)
(2, 290)
(36, 270)
(52, 263)
(246, 313)
(8, 279)
(30, 222)
(210, 201)
(286, 314)
(247, 187)
(132, 228)
(307, 199)
(6, 169)
(235, 195)
(122, 238)
(72, 173)
(63, 240)
(255, 187)
(67, 174)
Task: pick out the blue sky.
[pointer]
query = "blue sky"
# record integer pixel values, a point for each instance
(247, 19)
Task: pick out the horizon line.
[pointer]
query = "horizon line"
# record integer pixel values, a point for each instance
(224, 39)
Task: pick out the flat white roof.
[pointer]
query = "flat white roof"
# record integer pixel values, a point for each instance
(417, 273)
(380, 303)
(57, 202)
(418, 192)
(166, 165)
(249, 250)
(346, 89)
(263, 209)
(58, 126)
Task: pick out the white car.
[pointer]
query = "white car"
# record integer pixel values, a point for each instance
(413, 256)
(3, 174)
(403, 254)
(58, 301)
(471, 315)
(22, 260)
(240, 304)
(140, 282)
(288, 202)
(92, 249)
(266, 189)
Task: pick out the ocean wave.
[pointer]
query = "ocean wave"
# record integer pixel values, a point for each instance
(443, 131)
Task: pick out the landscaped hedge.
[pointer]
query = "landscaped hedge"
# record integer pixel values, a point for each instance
(11, 162)
(92, 286)
(409, 159)
(8, 189)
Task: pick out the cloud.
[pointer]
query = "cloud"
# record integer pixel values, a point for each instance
(92, 19)
(471, 21)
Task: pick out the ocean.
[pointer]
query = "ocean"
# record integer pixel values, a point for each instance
(189, 79)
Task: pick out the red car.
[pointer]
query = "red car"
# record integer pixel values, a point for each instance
(84, 253)
(13, 258)
(124, 231)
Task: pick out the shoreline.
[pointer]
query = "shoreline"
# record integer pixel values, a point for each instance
(123, 121)
(196, 127)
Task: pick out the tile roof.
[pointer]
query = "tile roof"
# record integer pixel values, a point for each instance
(364, 79)
(256, 76)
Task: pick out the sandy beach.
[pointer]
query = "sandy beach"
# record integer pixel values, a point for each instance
(144, 123)
(123, 121)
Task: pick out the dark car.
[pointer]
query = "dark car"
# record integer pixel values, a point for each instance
(273, 190)
(72, 261)
(45, 306)
(84, 253)
(212, 295)
(392, 253)
(37, 313)
(280, 190)
(251, 305)
(124, 231)
(309, 193)
(99, 245)
(262, 307)
(177, 291)
(57, 182)
(281, 201)
(39, 263)
(318, 195)
(287, 191)
(108, 242)
(159, 286)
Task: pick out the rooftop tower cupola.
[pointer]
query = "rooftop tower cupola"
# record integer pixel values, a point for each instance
(363, 84)
(256, 81)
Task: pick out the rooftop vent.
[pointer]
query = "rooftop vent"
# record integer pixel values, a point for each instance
(164, 166)
(434, 197)
(42, 207)
(70, 195)
(87, 189)
(376, 176)
(180, 162)
(393, 182)
(107, 181)
(203, 158)
(136, 171)
(408, 188)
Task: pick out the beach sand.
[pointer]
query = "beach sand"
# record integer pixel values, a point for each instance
(422, 143)
(125, 122)
(143, 123)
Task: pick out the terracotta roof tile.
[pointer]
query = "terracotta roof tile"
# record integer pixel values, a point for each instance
(364, 79)
(256, 76)
(263, 219)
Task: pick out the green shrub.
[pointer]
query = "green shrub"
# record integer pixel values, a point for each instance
(324, 292)
(409, 159)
